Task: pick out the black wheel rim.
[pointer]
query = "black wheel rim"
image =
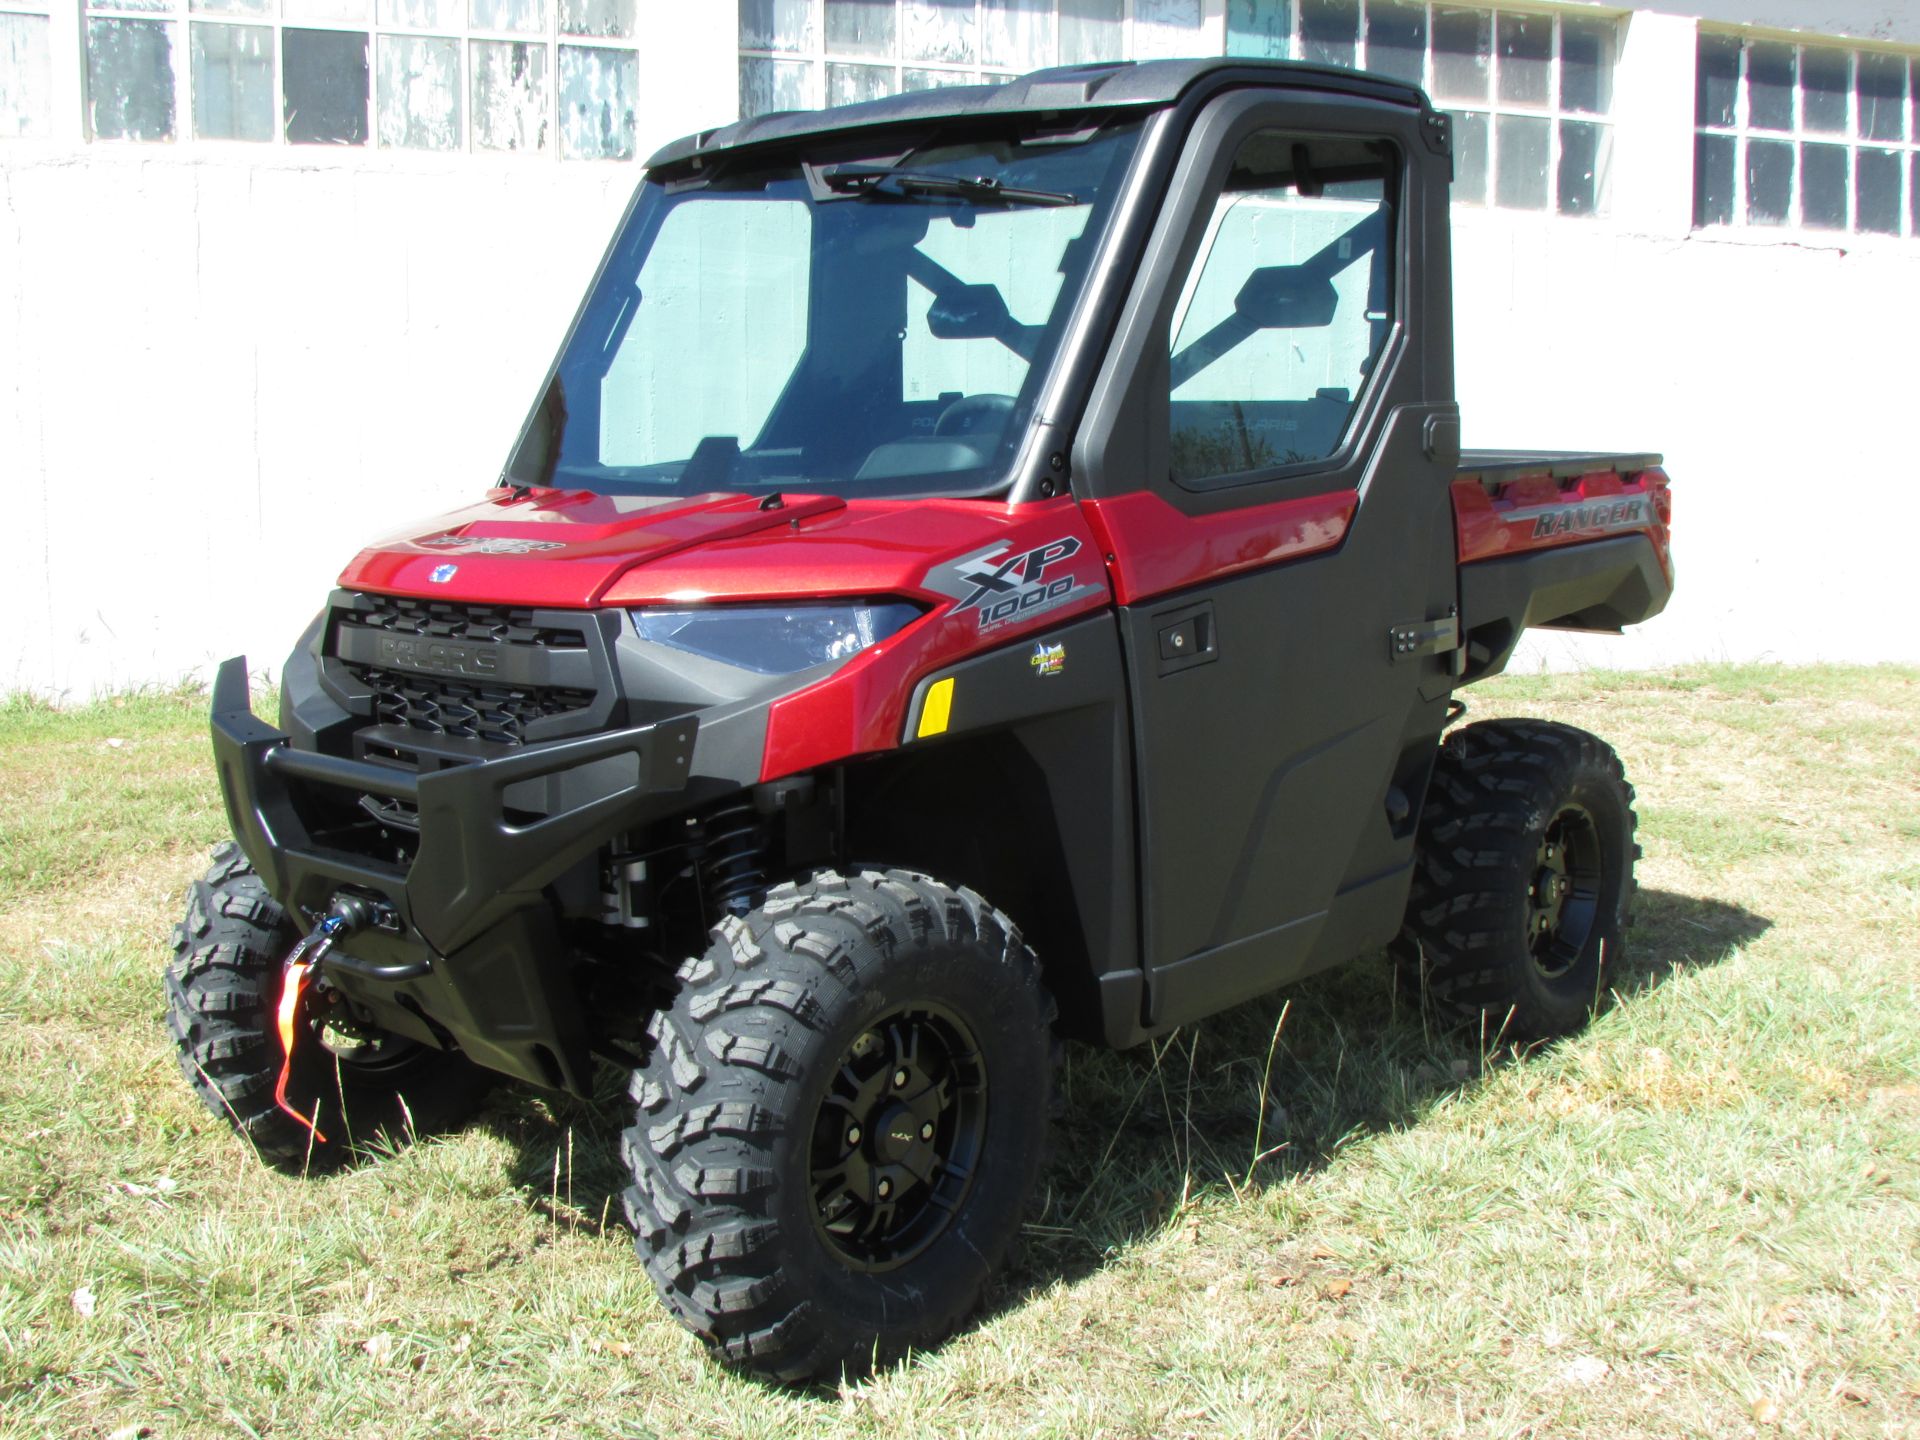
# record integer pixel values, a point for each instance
(897, 1140)
(1563, 895)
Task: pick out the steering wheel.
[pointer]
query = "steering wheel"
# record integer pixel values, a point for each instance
(982, 416)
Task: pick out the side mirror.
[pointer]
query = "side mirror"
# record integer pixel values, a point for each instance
(1286, 297)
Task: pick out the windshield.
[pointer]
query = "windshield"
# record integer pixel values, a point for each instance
(870, 327)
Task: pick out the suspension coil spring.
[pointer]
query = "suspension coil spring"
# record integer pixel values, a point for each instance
(732, 854)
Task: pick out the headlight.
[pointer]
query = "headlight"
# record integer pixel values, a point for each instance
(774, 639)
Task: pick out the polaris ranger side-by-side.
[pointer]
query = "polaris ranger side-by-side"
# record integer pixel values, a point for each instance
(986, 565)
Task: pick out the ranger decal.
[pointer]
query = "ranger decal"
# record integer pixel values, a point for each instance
(1621, 513)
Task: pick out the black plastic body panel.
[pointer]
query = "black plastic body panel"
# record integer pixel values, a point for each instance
(1599, 585)
(470, 906)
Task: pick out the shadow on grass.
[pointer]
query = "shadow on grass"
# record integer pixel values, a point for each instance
(1274, 1088)
(1279, 1086)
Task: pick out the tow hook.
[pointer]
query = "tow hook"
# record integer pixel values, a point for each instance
(345, 915)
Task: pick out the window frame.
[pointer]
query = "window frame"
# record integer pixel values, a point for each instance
(1186, 287)
(1852, 140)
(181, 16)
(1553, 110)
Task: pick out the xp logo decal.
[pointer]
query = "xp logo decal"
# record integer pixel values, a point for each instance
(443, 573)
(1002, 586)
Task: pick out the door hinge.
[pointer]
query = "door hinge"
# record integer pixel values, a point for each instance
(1414, 638)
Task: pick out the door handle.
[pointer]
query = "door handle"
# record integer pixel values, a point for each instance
(1185, 637)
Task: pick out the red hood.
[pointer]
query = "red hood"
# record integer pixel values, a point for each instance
(560, 547)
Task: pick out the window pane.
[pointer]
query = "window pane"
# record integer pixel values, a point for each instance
(1913, 193)
(1713, 179)
(1770, 71)
(1328, 30)
(510, 85)
(323, 74)
(130, 79)
(1017, 34)
(847, 84)
(1462, 43)
(1881, 83)
(344, 10)
(1823, 187)
(1281, 323)
(1470, 157)
(1520, 161)
(1397, 40)
(1581, 181)
(1715, 77)
(933, 79)
(1586, 65)
(1091, 30)
(776, 24)
(1260, 28)
(1769, 181)
(599, 19)
(597, 91)
(770, 85)
(418, 14)
(1526, 58)
(237, 7)
(232, 82)
(419, 92)
(860, 27)
(522, 17)
(1824, 83)
(26, 103)
(1876, 191)
(937, 30)
(130, 4)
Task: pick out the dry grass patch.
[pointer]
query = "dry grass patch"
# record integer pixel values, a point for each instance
(1319, 1215)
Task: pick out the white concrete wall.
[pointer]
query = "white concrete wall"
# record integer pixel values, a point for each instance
(222, 370)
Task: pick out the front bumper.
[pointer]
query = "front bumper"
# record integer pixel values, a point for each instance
(469, 947)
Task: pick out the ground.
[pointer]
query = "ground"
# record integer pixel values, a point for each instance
(1321, 1215)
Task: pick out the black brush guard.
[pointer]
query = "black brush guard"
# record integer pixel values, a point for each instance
(467, 949)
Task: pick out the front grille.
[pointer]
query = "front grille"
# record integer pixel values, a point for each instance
(525, 654)
(438, 620)
(463, 709)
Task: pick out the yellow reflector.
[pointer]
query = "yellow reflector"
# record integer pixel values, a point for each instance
(933, 714)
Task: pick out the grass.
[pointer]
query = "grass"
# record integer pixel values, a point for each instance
(1318, 1215)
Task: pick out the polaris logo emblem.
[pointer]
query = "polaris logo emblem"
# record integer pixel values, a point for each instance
(443, 573)
(436, 657)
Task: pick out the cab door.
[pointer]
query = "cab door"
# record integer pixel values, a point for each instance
(1266, 458)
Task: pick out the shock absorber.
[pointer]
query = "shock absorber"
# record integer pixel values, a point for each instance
(730, 848)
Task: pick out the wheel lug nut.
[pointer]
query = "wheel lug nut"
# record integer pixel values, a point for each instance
(885, 1188)
(853, 1135)
(926, 1131)
(899, 1079)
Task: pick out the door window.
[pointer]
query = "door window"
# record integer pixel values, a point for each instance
(1287, 308)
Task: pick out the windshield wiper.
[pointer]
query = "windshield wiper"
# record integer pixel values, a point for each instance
(897, 183)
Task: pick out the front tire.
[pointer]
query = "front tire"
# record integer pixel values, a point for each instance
(223, 988)
(840, 1121)
(1523, 879)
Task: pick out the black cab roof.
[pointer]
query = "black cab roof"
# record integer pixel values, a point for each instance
(1106, 86)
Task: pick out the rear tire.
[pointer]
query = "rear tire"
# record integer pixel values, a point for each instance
(802, 1208)
(223, 988)
(1523, 880)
